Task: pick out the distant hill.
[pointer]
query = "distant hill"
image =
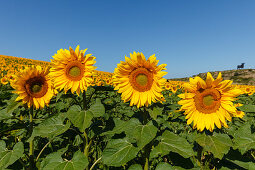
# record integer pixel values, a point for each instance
(241, 76)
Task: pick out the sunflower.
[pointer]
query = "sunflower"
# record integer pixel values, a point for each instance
(4, 80)
(72, 70)
(33, 85)
(209, 102)
(248, 90)
(174, 88)
(167, 86)
(140, 80)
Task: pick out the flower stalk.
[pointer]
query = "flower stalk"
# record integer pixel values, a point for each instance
(147, 148)
(31, 142)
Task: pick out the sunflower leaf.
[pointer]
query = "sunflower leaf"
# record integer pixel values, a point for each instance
(155, 112)
(144, 134)
(4, 114)
(2, 146)
(118, 152)
(135, 167)
(123, 126)
(12, 105)
(248, 108)
(218, 144)
(8, 157)
(51, 127)
(244, 140)
(54, 161)
(97, 109)
(80, 118)
(164, 166)
(170, 142)
(245, 165)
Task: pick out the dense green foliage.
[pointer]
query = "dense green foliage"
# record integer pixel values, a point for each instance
(98, 131)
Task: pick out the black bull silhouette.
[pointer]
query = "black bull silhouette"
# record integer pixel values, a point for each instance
(240, 66)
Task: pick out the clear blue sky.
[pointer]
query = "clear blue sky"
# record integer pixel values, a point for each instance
(190, 36)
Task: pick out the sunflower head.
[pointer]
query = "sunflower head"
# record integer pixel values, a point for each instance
(208, 103)
(167, 86)
(139, 80)
(72, 70)
(33, 86)
(4, 80)
(174, 88)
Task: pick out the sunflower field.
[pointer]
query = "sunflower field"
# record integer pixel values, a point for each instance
(66, 115)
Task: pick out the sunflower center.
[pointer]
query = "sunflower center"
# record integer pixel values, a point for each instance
(208, 100)
(141, 79)
(75, 71)
(36, 87)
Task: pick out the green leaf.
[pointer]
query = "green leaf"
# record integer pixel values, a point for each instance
(58, 96)
(51, 161)
(164, 166)
(170, 142)
(2, 146)
(80, 118)
(4, 114)
(60, 105)
(53, 158)
(218, 144)
(97, 109)
(77, 141)
(12, 105)
(8, 157)
(144, 134)
(135, 167)
(248, 108)
(55, 162)
(123, 126)
(244, 140)
(245, 165)
(118, 152)
(155, 112)
(51, 127)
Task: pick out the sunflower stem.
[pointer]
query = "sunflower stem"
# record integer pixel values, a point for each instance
(31, 142)
(145, 116)
(86, 141)
(86, 146)
(43, 150)
(84, 101)
(147, 148)
(146, 166)
(200, 154)
(91, 168)
(252, 155)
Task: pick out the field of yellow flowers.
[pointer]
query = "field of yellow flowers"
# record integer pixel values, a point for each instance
(65, 114)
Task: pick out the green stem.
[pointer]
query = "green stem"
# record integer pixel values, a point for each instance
(86, 149)
(42, 150)
(85, 144)
(31, 142)
(147, 148)
(84, 101)
(146, 166)
(252, 155)
(145, 116)
(23, 164)
(199, 155)
(91, 168)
